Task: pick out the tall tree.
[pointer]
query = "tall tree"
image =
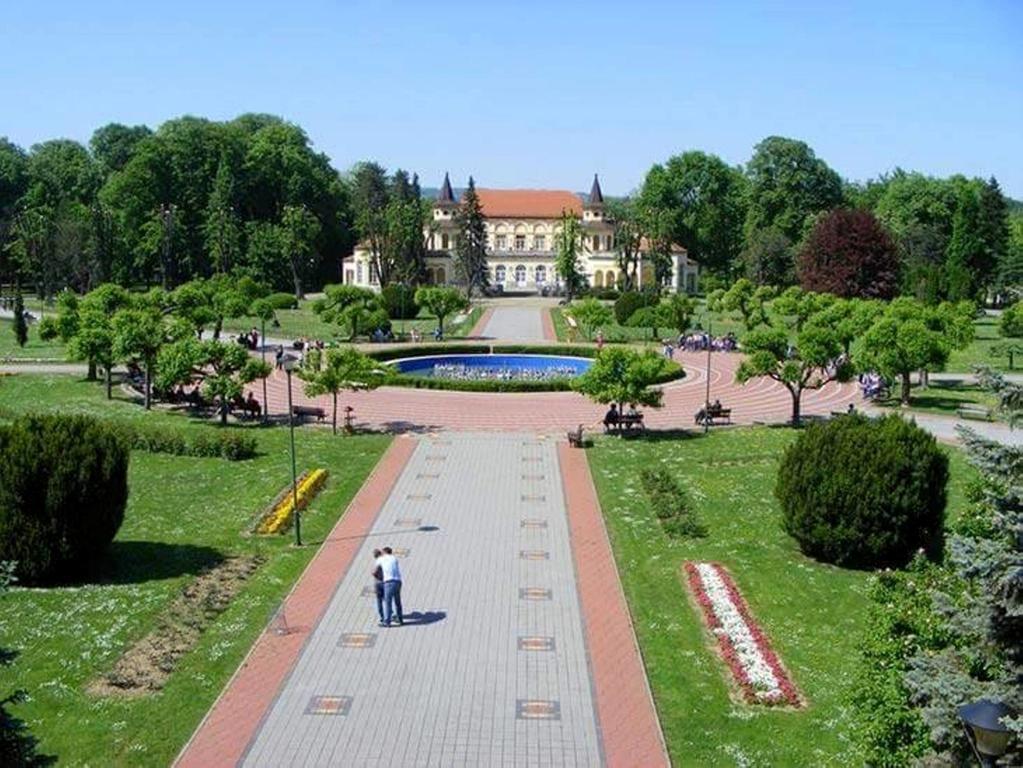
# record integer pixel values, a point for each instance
(849, 253)
(968, 262)
(627, 218)
(20, 324)
(768, 258)
(370, 198)
(440, 301)
(789, 184)
(13, 183)
(301, 229)
(114, 144)
(338, 370)
(357, 309)
(620, 375)
(704, 202)
(569, 241)
(471, 243)
(221, 225)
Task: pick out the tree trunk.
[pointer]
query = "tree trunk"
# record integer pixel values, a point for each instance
(223, 410)
(109, 378)
(334, 419)
(217, 328)
(266, 408)
(91, 375)
(797, 395)
(148, 385)
(299, 294)
(906, 386)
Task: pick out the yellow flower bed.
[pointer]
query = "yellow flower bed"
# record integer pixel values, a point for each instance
(279, 516)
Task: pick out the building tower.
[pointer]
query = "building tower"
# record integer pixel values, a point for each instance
(594, 208)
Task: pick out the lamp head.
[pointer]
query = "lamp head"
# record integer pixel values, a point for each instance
(983, 721)
(289, 363)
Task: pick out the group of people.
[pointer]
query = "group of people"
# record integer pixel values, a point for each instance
(387, 582)
(614, 417)
(461, 372)
(872, 385)
(249, 340)
(701, 342)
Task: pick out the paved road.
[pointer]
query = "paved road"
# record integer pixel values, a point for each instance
(448, 688)
(515, 324)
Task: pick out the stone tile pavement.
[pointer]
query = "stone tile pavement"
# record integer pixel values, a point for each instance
(492, 668)
(516, 324)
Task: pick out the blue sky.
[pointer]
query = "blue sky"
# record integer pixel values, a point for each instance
(541, 94)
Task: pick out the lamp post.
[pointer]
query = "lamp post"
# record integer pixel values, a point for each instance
(262, 356)
(706, 405)
(987, 734)
(289, 366)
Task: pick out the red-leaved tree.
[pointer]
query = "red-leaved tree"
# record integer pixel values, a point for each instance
(849, 253)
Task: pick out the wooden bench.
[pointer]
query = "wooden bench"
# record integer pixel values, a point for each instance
(711, 416)
(634, 421)
(977, 412)
(575, 437)
(303, 411)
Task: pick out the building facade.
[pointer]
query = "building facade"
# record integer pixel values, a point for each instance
(523, 226)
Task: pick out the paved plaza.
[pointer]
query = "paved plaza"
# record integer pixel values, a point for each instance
(515, 324)
(515, 644)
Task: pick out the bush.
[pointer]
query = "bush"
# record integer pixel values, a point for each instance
(63, 489)
(671, 504)
(283, 300)
(399, 301)
(629, 302)
(863, 493)
(1011, 322)
(230, 444)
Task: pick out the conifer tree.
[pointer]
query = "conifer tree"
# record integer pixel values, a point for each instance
(471, 243)
(20, 326)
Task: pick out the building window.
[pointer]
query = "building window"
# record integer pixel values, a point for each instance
(520, 275)
(358, 272)
(444, 242)
(373, 276)
(520, 242)
(502, 242)
(501, 273)
(541, 274)
(539, 243)
(610, 242)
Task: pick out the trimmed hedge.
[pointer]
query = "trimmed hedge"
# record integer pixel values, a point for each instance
(63, 491)
(229, 444)
(671, 504)
(864, 493)
(283, 300)
(627, 304)
(673, 372)
(399, 301)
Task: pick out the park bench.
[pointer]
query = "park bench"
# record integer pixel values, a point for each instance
(712, 415)
(977, 412)
(303, 411)
(634, 421)
(575, 437)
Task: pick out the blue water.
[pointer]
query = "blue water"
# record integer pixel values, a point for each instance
(496, 367)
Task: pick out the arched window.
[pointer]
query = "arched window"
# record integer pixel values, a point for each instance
(598, 279)
(444, 242)
(520, 275)
(500, 274)
(541, 274)
(441, 278)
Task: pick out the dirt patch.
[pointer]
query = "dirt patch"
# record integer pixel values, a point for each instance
(146, 665)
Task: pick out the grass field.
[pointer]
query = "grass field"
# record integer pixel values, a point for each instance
(944, 397)
(811, 612)
(183, 514)
(34, 349)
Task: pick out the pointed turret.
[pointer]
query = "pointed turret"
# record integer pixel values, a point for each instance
(446, 196)
(596, 196)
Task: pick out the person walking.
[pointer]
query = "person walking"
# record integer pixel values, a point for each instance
(378, 583)
(391, 576)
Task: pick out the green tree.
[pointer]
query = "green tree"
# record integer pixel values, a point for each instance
(789, 184)
(370, 199)
(677, 311)
(1010, 324)
(300, 228)
(139, 334)
(114, 144)
(221, 225)
(20, 324)
(815, 359)
(749, 301)
(357, 309)
(620, 375)
(590, 314)
(566, 263)
(471, 243)
(441, 301)
(704, 203)
(208, 303)
(768, 258)
(627, 218)
(338, 370)
(967, 262)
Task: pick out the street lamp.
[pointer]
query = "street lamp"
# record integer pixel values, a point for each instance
(706, 406)
(289, 364)
(987, 734)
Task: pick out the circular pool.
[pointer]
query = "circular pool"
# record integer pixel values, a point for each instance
(499, 367)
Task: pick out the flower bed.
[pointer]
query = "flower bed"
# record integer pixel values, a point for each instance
(278, 517)
(743, 644)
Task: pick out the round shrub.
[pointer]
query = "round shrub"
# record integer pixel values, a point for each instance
(400, 301)
(629, 302)
(283, 300)
(863, 493)
(63, 489)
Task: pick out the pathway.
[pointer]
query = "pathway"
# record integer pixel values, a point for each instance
(516, 324)
(518, 649)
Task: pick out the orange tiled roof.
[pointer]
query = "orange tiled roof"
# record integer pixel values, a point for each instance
(528, 203)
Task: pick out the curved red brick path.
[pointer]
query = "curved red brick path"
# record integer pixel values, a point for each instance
(225, 732)
(629, 729)
(400, 409)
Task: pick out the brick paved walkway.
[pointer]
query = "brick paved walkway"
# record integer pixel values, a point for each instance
(516, 324)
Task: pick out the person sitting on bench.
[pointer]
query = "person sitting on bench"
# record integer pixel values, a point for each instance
(611, 418)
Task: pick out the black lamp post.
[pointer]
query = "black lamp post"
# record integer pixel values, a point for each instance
(987, 734)
(289, 366)
(706, 412)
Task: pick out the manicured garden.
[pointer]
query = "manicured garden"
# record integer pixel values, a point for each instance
(34, 349)
(184, 515)
(812, 613)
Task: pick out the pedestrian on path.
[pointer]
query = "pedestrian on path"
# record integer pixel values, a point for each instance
(391, 575)
(378, 583)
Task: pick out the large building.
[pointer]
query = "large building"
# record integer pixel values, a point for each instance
(522, 230)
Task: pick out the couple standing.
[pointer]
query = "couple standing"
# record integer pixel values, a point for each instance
(387, 577)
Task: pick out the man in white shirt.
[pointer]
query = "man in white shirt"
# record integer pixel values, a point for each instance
(391, 573)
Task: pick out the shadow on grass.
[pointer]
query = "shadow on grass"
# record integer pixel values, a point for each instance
(136, 562)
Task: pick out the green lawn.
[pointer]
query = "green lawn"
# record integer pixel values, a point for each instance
(979, 352)
(720, 324)
(811, 612)
(945, 397)
(183, 513)
(35, 348)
